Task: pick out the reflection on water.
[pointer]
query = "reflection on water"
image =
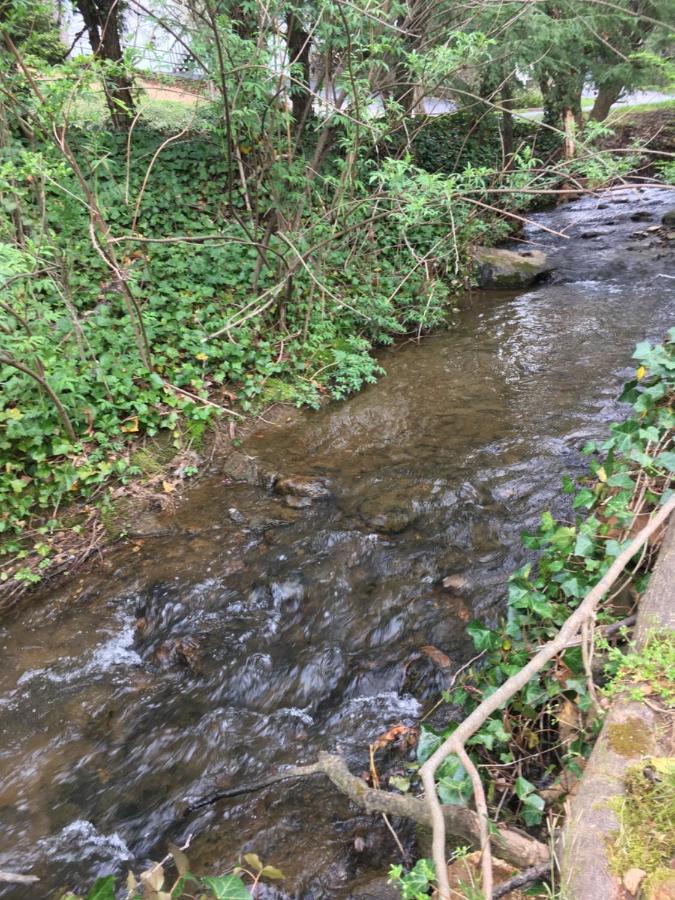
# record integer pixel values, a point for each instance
(248, 634)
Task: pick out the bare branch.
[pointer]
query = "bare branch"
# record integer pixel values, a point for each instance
(456, 741)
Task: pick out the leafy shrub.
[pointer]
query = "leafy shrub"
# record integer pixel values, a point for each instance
(473, 137)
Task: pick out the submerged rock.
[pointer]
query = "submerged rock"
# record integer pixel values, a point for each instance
(642, 215)
(455, 583)
(499, 269)
(388, 513)
(183, 651)
(302, 488)
(668, 219)
(297, 502)
(376, 889)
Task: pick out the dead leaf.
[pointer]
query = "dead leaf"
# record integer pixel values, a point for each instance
(169, 487)
(441, 659)
(152, 880)
(392, 734)
(132, 426)
(454, 582)
(254, 861)
(570, 721)
(466, 870)
(181, 860)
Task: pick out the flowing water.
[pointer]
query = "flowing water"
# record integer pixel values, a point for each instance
(244, 634)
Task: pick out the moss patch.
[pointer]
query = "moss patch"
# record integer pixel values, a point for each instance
(629, 738)
(646, 814)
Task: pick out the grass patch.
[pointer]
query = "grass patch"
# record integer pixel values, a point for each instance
(620, 113)
(616, 115)
(648, 672)
(161, 115)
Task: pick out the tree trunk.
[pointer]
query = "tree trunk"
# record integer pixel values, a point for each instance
(570, 128)
(562, 106)
(507, 122)
(101, 18)
(606, 96)
(299, 48)
(406, 89)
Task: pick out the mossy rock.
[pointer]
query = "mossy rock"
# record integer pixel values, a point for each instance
(499, 269)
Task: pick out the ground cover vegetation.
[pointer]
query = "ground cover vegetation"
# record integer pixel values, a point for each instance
(157, 272)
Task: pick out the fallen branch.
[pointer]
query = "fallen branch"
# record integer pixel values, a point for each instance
(520, 880)
(518, 849)
(456, 741)
(252, 786)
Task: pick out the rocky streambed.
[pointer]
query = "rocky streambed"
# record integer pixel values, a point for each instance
(321, 596)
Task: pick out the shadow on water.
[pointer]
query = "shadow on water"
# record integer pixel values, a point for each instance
(248, 634)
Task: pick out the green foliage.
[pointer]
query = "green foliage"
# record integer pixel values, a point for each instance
(34, 30)
(217, 887)
(103, 889)
(69, 320)
(451, 142)
(529, 98)
(666, 170)
(226, 887)
(645, 672)
(415, 884)
(418, 882)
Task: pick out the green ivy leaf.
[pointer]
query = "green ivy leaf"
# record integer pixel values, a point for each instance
(428, 742)
(585, 498)
(584, 545)
(666, 459)
(226, 887)
(103, 889)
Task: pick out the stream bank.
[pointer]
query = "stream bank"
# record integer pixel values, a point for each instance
(247, 633)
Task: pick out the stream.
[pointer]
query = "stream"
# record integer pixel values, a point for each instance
(244, 634)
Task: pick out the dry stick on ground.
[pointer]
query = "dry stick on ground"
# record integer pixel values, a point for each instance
(523, 878)
(455, 743)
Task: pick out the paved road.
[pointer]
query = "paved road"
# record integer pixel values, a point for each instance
(434, 106)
